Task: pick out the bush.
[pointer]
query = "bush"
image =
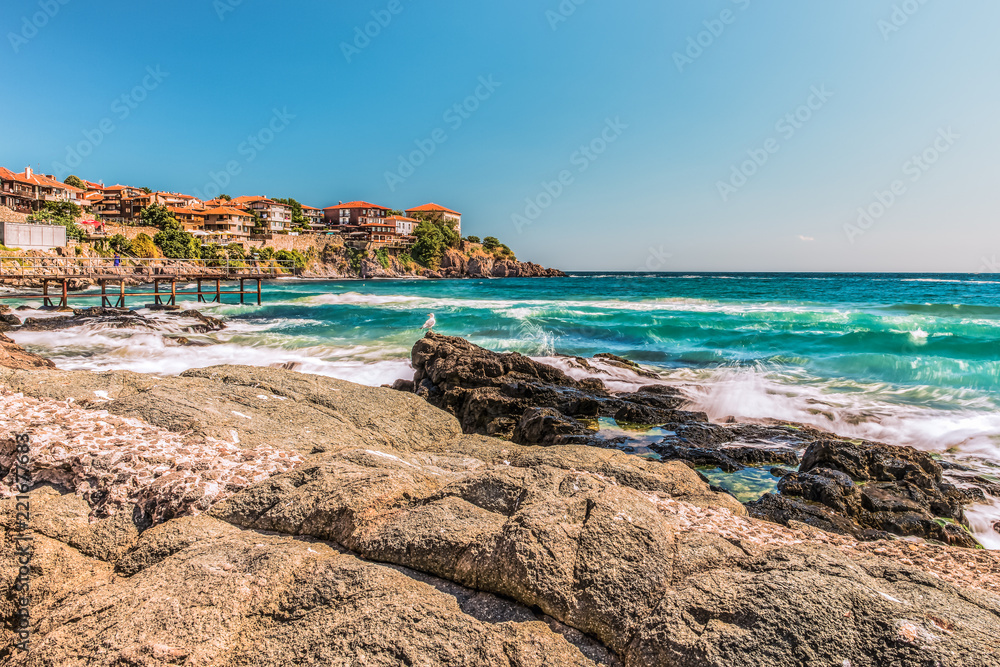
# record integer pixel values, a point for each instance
(143, 246)
(406, 260)
(297, 258)
(473, 239)
(491, 243)
(382, 255)
(354, 257)
(213, 255)
(156, 216)
(60, 213)
(177, 243)
(121, 245)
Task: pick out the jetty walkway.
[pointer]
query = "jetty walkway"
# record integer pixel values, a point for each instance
(55, 275)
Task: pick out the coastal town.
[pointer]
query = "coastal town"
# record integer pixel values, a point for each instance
(224, 219)
(39, 213)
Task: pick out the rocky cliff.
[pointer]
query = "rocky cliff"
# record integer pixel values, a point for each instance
(238, 516)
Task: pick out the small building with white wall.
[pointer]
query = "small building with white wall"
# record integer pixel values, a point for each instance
(30, 236)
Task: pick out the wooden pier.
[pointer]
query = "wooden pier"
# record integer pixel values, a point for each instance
(163, 275)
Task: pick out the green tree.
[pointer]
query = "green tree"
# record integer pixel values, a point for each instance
(143, 246)
(396, 211)
(176, 243)
(147, 191)
(226, 197)
(491, 243)
(156, 216)
(75, 181)
(430, 244)
(473, 239)
(451, 237)
(121, 245)
(213, 255)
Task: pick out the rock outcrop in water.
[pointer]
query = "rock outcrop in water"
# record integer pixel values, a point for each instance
(395, 538)
(867, 490)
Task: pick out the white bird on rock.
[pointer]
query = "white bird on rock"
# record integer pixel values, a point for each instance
(430, 323)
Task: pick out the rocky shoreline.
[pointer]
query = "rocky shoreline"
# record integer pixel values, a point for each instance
(476, 516)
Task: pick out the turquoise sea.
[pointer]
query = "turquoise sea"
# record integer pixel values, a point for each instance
(902, 358)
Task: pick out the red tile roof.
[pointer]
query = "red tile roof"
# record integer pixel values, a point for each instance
(186, 211)
(432, 208)
(36, 179)
(399, 217)
(357, 204)
(227, 210)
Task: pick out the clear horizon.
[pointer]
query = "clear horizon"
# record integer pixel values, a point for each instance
(728, 136)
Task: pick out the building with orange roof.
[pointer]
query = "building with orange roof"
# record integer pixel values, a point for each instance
(27, 191)
(227, 221)
(404, 226)
(428, 210)
(192, 219)
(313, 216)
(354, 214)
(277, 217)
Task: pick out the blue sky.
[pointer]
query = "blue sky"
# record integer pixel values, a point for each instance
(643, 125)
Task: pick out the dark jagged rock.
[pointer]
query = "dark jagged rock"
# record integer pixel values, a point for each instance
(878, 489)
(545, 426)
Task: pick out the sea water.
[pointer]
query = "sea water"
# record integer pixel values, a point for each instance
(900, 358)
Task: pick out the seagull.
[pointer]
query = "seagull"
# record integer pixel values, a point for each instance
(429, 324)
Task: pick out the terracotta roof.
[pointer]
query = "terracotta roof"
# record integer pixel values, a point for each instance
(185, 211)
(432, 208)
(226, 210)
(311, 208)
(36, 179)
(399, 217)
(376, 224)
(357, 204)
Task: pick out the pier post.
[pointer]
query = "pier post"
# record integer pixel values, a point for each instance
(65, 294)
(218, 293)
(156, 291)
(242, 292)
(121, 292)
(258, 292)
(201, 297)
(46, 301)
(173, 292)
(104, 293)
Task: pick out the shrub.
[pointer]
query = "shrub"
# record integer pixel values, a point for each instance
(297, 258)
(143, 246)
(473, 239)
(177, 243)
(120, 245)
(491, 243)
(406, 260)
(382, 255)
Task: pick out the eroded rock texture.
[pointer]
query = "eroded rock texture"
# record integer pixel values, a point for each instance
(400, 540)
